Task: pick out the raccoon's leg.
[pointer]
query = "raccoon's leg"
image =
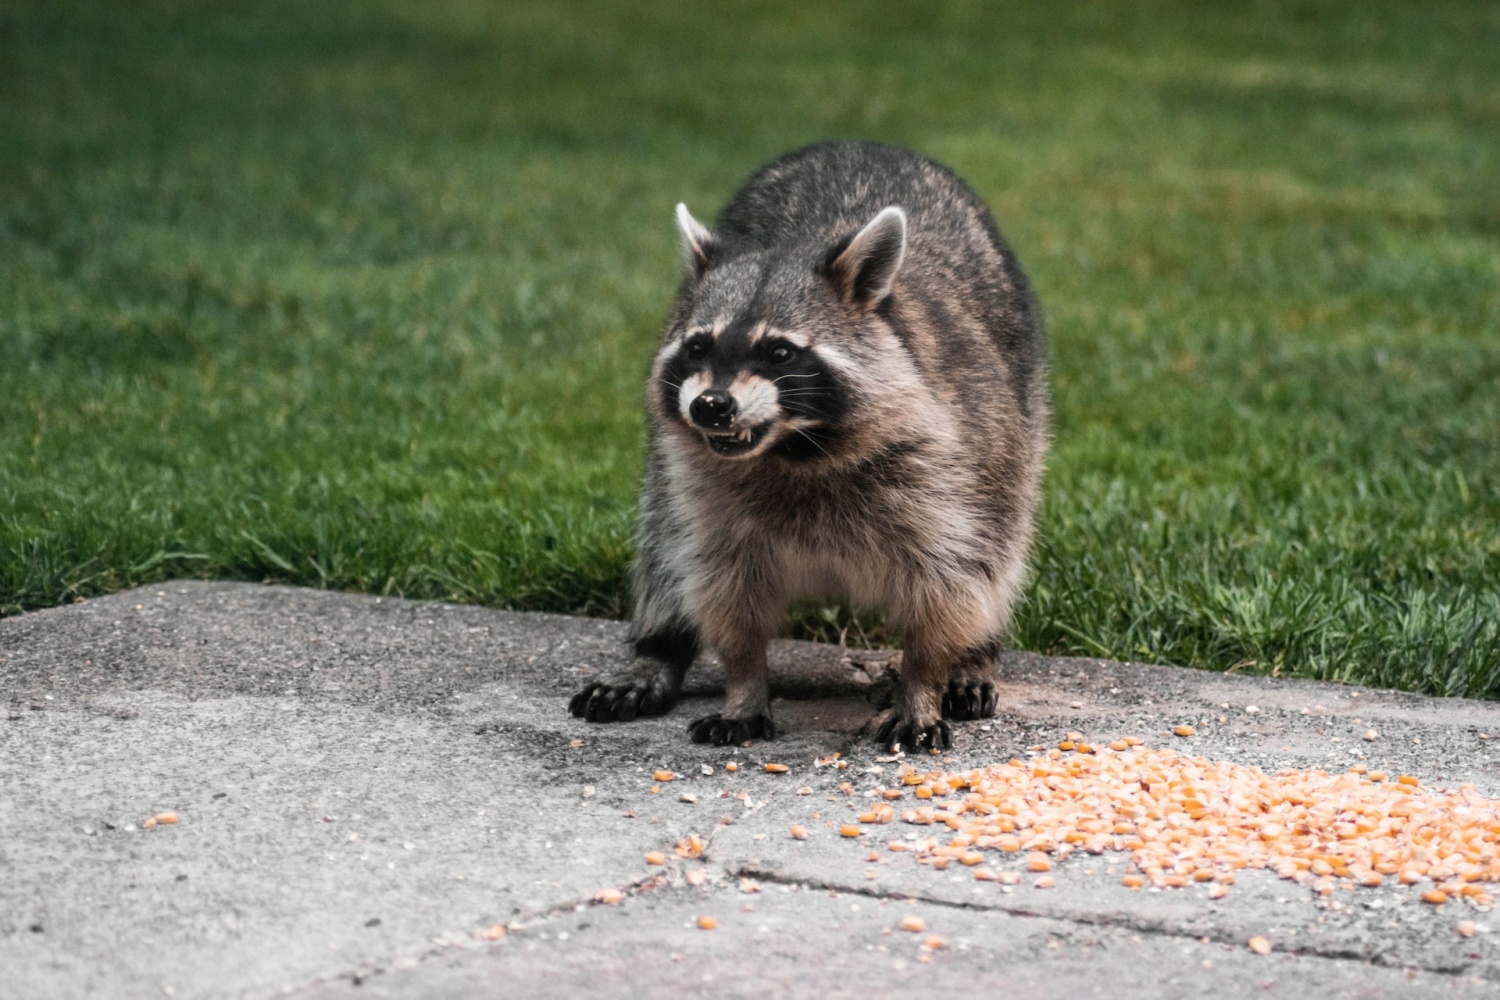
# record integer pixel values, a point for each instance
(971, 684)
(747, 699)
(649, 685)
(740, 611)
(943, 621)
(916, 719)
(664, 638)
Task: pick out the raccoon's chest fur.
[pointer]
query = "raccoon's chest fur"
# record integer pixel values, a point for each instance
(859, 534)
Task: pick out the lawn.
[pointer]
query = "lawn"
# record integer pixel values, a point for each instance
(362, 296)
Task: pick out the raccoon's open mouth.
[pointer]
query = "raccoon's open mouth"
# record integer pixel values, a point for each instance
(740, 442)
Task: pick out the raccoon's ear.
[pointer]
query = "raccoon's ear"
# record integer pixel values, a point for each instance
(864, 268)
(697, 241)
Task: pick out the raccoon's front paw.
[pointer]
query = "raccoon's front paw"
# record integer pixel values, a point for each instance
(969, 698)
(897, 732)
(623, 699)
(722, 732)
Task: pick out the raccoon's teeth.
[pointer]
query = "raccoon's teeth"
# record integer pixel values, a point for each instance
(743, 435)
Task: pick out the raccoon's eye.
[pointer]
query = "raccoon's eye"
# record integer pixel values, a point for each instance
(782, 353)
(696, 349)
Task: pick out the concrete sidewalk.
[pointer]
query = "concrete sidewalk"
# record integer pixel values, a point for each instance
(365, 785)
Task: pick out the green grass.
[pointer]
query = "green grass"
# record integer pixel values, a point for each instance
(362, 295)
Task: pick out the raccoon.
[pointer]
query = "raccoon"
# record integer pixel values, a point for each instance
(850, 401)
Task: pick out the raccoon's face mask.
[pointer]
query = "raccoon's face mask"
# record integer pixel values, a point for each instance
(749, 389)
(748, 385)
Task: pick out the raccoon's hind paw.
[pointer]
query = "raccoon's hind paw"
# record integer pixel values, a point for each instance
(967, 698)
(624, 701)
(722, 732)
(895, 733)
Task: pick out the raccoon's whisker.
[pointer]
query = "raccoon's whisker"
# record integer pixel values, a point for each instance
(811, 440)
(791, 375)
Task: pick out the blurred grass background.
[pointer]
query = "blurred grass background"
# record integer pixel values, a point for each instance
(363, 295)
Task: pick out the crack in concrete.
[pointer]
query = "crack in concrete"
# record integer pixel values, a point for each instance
(1155, 928)
(437, 947)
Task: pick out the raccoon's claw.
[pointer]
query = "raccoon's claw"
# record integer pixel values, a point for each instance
(969, 699)
(896, 732)
(602, 702)
(722, 732)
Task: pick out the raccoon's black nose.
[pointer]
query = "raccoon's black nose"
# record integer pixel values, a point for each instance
(712, 409)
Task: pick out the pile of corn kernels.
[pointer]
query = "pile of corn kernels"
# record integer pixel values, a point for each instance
(1186, 820)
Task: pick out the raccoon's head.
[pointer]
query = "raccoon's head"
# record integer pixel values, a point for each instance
(759, 360)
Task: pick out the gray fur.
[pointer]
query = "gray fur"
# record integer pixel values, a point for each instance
(906, 474)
